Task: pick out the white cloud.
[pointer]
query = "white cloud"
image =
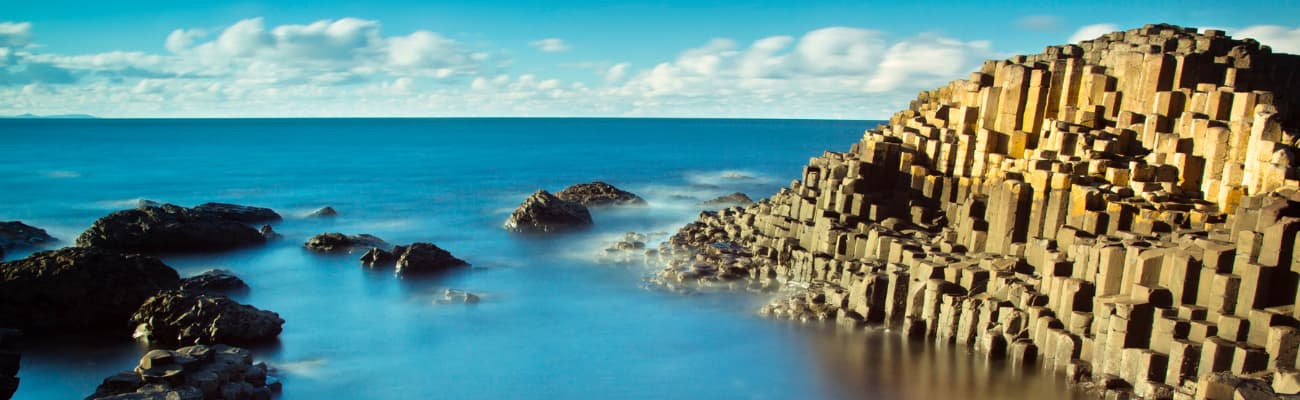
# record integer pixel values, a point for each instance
(926, 61)
(1091, 32)
(550, 45)
(15, 34)
(1039, 23)
(1281, 39)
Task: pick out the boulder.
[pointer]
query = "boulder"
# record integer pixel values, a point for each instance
(268, 233)
(335, 242)
(173, 318)
(216, 281)
(323, 212)
(15, 234)
(543, 212)
(235, 212)
(415, 259)
(599, 194)
(78, 289)
(170, 228)
(731, 200)
(193, 372)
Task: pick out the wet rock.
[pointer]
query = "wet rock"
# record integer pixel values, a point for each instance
(459, 296)
(181, 318)
(193, 372)
(630, 249)
(736, 199)
(378, 258)
(323, 212)
(78, 289)
(235, 212)
(269, 234)
(416, 259)
(544, 212)
(335, 242)
(15, 234)
(171, 228)
(599, 194)
(216, 281)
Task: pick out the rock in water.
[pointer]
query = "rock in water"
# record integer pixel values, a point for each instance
(418, 258)
(193, 372)
(731, 200)
(323, 212)
(174, 318)
(15, 234)
(235, 212)
(337, 242)
(78, 289)
(171, 228)
(543, 212)
(599, 194)
(216, 281)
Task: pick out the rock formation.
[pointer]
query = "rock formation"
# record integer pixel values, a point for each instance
(183, 318)
(1124, 209)
(215, 281)
(10, 360)
(15, 234)
(323, 212)
(543, 212)
(337, 242)
(416, 259)
(599, 194)
(171, 228)
(736, 199)
(78, 289)
(194, 372)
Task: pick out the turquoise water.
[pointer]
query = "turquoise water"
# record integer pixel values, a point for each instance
(552, 323)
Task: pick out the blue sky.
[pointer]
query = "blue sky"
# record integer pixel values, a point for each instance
(828, 59)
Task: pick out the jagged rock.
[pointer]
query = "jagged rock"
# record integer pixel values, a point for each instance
(182, 318)
(193, 372)
(416, 259)
(599, 194)
(78, 289)
(378, 258)
(216, 281)
(172, 228)
(731, 200)
(323, 212)
(268, 233)
(235, 212)
(15, 234)
(543, 212)
(337, 242)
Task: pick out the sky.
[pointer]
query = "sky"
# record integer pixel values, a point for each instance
(669, 58)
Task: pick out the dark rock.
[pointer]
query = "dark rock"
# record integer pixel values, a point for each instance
(338, 242)
(323, 212)
(418, 258)
(169, 228)
(235, 212)
(216, 281)
(194, 372)
(268, 233)
(180, 318)
(731, 200)
(15, 234)
(543, 212)
(378, 258)
(598, 194)
(78, 289)
(8, 385)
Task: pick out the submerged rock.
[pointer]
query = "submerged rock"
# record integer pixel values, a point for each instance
(335, 242)
(459, 296)
(417, 258)
(78, 289)
(15, 234)
(215, 281)
(181, 318)
(172, 228)
(193, 372)
(731, 200)
(543, 212)
(235, 212)
(323, 212)
(599, 194)
(268, 233)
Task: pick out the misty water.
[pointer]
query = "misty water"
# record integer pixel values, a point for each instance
(552, 323)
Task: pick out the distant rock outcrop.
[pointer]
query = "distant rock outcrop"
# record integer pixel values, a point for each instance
(15, 234)
(192, 372)
(235, 212)
(416, 259)
(172, 228)
(599, 194)
(323, 212)
(736, 199)
(543, 212)
(174, 317)
(78, 289)
(215, 281)
(335, 242)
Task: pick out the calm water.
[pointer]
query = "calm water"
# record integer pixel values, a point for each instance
(552, 324)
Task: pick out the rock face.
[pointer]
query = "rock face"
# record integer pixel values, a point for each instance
(1124, 209)
(543, 212)
(171, 228)
(599, 194)
(216, 281)
(416, 259)
(174, 318)
(335, 242)
(324, 212)
(10, 360)
(736, 199)
(78, 289)
(235, 212)
(193, 372)
(15, 234)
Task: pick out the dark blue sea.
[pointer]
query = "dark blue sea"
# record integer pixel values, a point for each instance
(553, 324)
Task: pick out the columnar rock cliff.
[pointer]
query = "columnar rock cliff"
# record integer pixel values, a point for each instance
(1124, 209)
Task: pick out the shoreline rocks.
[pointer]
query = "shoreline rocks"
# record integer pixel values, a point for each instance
(171, 228)
(78, 289)
(418, 258)
(335, 242)
(542, 212)
(192, 372)
(323, 212)
(16, 234)
(599, 194)
(736, 199)
(173, 318)
(235, 212)
(214, 281)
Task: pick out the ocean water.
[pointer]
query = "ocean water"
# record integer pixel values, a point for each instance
(552, 324)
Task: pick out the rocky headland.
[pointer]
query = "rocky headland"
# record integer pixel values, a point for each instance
(1123, 209)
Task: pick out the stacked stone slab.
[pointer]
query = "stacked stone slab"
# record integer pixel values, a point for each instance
(1124, 209)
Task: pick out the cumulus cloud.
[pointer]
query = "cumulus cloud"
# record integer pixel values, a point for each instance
(1090, 32)
(15, 34)
(1281, 39)
(550, 45)
(1038, 23)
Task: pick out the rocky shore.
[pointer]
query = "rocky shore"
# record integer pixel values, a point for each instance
(1123, 209)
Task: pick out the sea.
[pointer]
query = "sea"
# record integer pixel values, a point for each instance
(553, 323)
